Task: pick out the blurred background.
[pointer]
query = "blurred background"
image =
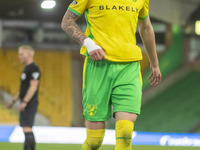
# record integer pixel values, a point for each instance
(173, 106)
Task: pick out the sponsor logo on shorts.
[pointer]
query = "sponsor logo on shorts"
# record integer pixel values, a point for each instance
(91, 109)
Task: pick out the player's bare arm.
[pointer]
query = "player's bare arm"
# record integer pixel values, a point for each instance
(148, 37)
(70, 27)
(14, 99)
(31, 91)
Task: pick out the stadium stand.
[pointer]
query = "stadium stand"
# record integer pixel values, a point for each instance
(8, 73)
(8, 117)
(55, 87)
(174, 110)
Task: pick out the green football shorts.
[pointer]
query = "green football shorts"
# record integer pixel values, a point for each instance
(107, 84)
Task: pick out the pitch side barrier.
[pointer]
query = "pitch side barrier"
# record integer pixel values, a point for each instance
(74, 135)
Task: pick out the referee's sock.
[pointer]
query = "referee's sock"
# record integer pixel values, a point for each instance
(29, 141)
(123, 131)
(94, 139)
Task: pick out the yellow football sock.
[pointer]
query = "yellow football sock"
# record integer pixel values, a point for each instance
(123, 132)
(94, 139)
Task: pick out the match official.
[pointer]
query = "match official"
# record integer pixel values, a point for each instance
(28, 94)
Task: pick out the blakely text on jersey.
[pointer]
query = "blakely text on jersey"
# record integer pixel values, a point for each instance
(120, 8)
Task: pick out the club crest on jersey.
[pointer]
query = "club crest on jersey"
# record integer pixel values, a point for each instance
(23, 76)
(135, 0)
(35, 75)
(74, 3)
(91, 109)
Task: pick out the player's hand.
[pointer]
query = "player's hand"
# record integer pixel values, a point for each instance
(155, 76)
(97, 54)
(22, 106)
(10, 105)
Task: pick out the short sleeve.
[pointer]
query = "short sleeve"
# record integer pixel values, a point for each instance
(144, 12)
(78, 6)
(35, 73)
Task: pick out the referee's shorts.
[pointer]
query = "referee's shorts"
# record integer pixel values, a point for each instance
(27, 116)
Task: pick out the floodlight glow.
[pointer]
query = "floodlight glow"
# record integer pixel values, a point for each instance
(197, 27)
(48, 4)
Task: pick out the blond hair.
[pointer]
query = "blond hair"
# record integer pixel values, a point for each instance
(27, 48)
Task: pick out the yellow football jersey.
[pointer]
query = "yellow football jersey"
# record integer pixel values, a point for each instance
(112, 25)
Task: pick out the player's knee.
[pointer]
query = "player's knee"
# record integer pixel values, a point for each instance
(95, 138)
(124, 128)
(124, 132)
(95, 143)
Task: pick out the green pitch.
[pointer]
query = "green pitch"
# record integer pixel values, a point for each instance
(16, 146)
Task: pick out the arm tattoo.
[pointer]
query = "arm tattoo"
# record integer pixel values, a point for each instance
(70, 27)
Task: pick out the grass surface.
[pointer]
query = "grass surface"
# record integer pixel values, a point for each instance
(16, 146)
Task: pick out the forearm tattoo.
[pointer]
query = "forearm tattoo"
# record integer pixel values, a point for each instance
(71, 28)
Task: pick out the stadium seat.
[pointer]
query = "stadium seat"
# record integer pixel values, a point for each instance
(174, 110)
(55, 86)
(7, 116)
